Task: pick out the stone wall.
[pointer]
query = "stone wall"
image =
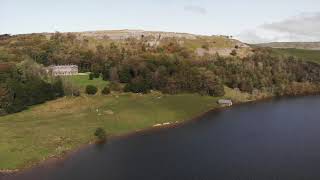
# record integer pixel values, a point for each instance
(63, 70)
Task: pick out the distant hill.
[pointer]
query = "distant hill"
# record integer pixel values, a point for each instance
(302, 54)
(295, 45)
(200, 44)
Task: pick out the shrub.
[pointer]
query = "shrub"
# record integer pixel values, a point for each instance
(106, 74)
(137, 85)
(218, 90)
(114, 86)
(233, 53)
(246, 86)
(91, 76)
(96, 74)
(76, 92)
(90, 89)
(100, 134)
(58, 87)
(105, 90)
(124, 75)
(70, 89)
(205, 46)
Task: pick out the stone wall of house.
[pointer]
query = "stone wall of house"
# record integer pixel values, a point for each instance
(63, 70)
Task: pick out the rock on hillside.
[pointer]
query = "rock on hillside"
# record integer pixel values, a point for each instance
(138, 34)
(200, 44)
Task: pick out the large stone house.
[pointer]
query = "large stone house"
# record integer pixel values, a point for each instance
(63, 70)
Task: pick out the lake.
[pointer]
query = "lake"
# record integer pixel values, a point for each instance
(273, 139)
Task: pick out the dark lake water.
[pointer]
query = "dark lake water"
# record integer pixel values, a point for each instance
(275, 139)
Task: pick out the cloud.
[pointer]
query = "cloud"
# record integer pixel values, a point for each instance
(304, 27)
(251, 36)
(195, 9)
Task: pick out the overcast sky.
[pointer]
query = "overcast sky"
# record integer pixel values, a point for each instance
(247, 20)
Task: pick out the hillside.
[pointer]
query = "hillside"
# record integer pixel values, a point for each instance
(302, 54)
(56, 127)
(148, 78)
(198, 44)
(141, 61)
(295, 45)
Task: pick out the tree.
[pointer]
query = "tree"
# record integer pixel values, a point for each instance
(105, 90)
(233, 53)
(91, 90)
(91, 76)
(124, 75)
(137, 85)
(246, 86)
(100, 134)
(96, 74)
(115, 86)
(58, 87)
(205, 46)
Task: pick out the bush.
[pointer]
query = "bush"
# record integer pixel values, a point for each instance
(124, 75)
(91, 76)
(218, 90)
(137, 85)
(114, 86)
(70, 89)
(90, 89)
(105, 90)
(96, 74)
(100, 134)
(246, 86)
(58, 87)
(233, 53)
(205, 46)
(106, 74)
(76, 92)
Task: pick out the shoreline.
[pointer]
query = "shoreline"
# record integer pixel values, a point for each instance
(53, 160)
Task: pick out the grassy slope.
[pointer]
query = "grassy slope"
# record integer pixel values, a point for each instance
(212, 42)
(83, 80)
(57, 126)
(296, 45)
(304, 54)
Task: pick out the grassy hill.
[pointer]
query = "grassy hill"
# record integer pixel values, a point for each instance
(58, 126)
(295, 45)
(82, 80)
(55, 127)
(303, 54)
(308, 51)
(35, 45)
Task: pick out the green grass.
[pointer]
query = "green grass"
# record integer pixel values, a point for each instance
(212, 42)
(83, 80)
(57, 126)
(303, 54)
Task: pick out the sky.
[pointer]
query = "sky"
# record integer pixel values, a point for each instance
(252, 21)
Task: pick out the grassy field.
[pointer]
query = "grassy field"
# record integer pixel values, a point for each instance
(57, 126)
(83, 80)
(212, 42)
(304, 54)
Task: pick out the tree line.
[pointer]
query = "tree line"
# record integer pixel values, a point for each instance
(169, 67)
(23, 85)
